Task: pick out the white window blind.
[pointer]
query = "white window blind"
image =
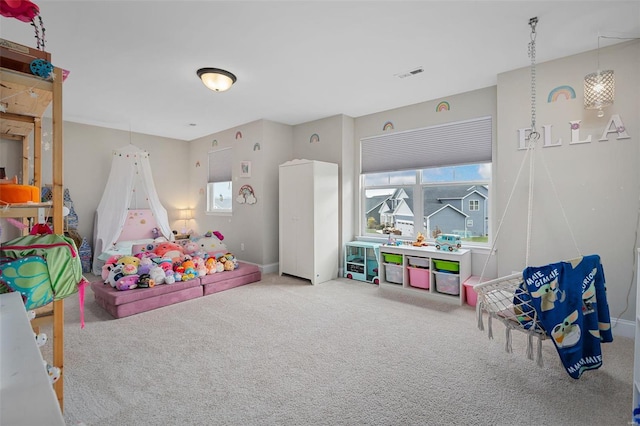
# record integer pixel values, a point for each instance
(220, 165)
(450, 144)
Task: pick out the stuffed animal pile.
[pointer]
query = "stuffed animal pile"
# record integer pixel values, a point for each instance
(167, 263)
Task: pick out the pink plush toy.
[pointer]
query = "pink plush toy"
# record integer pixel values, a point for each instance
(166, 264)
(200, 267)
(108, 264)
(191, 248)
(170, 250)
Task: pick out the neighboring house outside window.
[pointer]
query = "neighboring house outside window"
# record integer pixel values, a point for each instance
(220, 185)
(441, 174)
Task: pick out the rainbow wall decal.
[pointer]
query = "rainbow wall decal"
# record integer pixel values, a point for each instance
(256, 147)
(565, 92)
(443, 106)
(214, 143)
(238, 134)
(314, 138)
(197, 163)
(387, 126)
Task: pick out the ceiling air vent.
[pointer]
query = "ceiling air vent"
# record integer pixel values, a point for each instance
(410, 73)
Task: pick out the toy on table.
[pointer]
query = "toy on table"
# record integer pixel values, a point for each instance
(419, 242)
(448, 242)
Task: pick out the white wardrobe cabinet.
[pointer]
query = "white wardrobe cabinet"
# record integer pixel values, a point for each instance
(308, 203)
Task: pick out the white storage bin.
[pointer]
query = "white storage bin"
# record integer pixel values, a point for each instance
(393, 273)
(422, 262)
(447, 283)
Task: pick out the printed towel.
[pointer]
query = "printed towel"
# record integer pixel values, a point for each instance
(571, 302)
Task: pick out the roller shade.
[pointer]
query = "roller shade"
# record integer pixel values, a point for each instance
(450, 144)
(220, 165)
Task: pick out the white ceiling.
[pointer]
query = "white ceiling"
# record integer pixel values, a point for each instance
(133, 63)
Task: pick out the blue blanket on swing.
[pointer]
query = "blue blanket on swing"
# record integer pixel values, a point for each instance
(571, 302)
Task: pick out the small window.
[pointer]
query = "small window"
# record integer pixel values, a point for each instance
(220, 185)
(474, 206)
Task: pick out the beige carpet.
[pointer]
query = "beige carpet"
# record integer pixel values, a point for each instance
(284, 352)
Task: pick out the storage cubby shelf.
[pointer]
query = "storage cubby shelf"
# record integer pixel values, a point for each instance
(437, 274)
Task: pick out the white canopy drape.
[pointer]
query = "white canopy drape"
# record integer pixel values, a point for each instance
(130, 169)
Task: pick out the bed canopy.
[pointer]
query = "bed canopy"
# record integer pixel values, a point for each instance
(130, 171)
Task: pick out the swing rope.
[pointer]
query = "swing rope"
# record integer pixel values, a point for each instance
(499, 297)
(532, 138)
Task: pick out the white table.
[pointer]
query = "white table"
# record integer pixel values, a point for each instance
(26, 394)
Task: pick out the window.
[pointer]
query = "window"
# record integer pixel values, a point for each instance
(220, 186)
(441, 174)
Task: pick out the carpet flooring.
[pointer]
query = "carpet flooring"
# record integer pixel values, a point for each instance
(284, 352)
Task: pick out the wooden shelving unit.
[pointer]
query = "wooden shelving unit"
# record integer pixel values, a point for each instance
(25, 98)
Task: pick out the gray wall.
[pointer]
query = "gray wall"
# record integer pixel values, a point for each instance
(598, 182)
(464, 106)
(266, 145)
(87, 162)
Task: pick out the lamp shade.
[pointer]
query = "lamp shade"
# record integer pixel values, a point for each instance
(599, 89)
(186, 214)
(216, 79)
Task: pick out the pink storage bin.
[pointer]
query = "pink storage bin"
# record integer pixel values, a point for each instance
(470, 294)
(419, 277)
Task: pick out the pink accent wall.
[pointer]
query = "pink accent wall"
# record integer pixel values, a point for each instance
(138, 225)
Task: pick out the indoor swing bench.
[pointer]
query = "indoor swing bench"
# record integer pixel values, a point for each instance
(563, 301)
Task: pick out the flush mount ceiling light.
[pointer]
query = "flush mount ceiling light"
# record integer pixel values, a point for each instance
(216, 79)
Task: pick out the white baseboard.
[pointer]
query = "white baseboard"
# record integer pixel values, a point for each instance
(271, 268)
(620, 327)
(623, 328)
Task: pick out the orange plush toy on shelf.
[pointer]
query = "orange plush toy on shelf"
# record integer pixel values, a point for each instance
(419, 242)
